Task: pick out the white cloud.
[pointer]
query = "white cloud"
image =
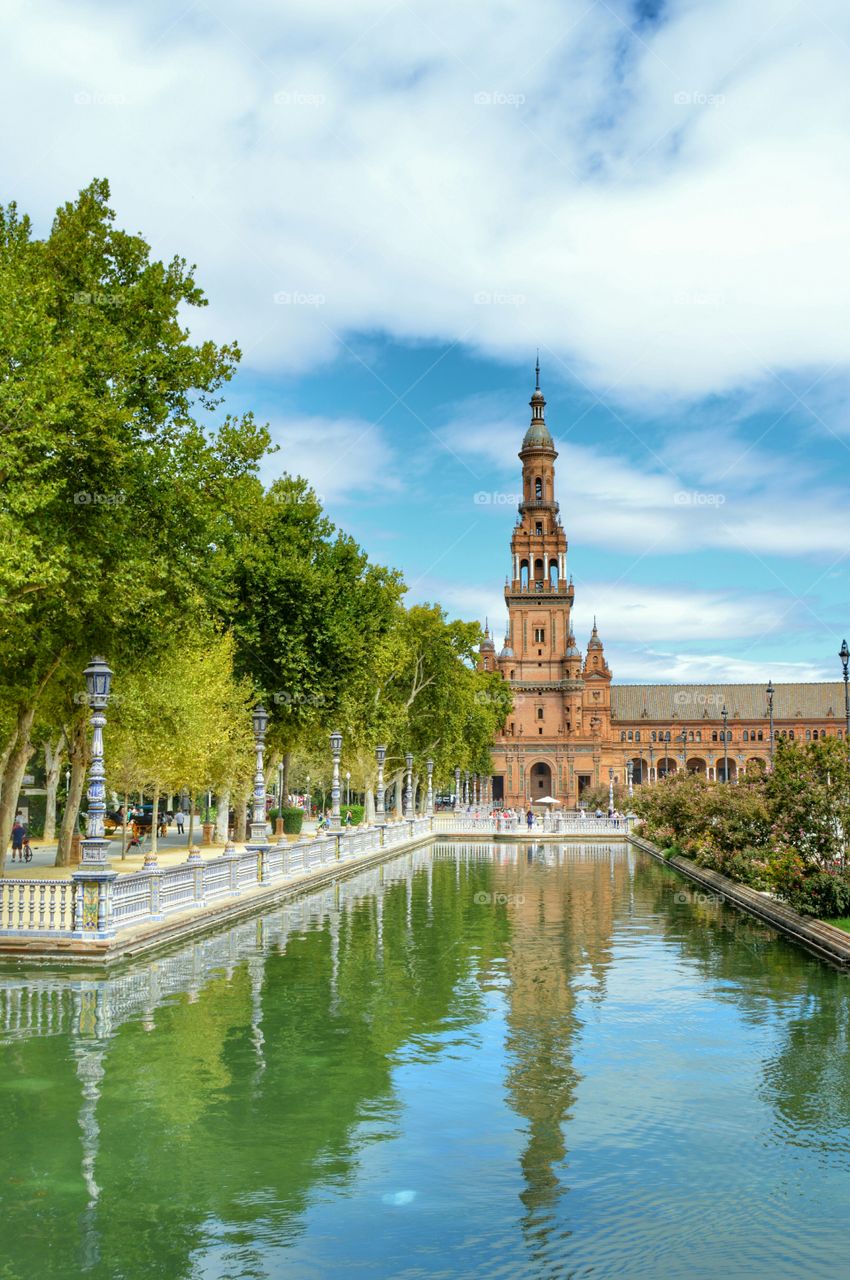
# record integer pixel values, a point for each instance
(667, 213)
(343, 458)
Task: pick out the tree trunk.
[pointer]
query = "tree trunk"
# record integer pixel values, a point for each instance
(283, 800)
(191, 817)
(16, 764)
(53, 767)
(124, 826)
(78, 755)
(398, 783)
(155, 820)
(222, 801)
(4, 756)
(240, 831)
(369, 805)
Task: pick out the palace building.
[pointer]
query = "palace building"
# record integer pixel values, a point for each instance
(571, 726)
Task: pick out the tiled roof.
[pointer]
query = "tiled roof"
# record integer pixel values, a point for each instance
(635, 702)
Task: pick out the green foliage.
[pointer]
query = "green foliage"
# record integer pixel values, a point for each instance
(357, 813)
(783, 831)
(292, 821)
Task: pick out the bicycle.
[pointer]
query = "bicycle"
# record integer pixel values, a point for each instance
(26, 850)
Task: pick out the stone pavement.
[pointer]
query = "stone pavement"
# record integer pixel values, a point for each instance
(171, 849)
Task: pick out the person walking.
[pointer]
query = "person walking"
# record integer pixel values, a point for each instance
(180, 819)
(19, 833)
(529, 817)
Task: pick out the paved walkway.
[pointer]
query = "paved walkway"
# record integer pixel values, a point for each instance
(171, 849)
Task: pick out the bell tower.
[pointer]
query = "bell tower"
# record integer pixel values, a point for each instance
(538, 595)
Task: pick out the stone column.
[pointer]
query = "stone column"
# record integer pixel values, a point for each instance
(380, 812)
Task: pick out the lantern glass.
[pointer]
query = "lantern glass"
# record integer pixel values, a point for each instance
(409, 759)
(261, 720)
(380, 754)
(336, 742)
(98, 680)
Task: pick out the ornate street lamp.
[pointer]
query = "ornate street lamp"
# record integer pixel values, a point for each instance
(307, 797)
(408, 785)
(651, 765)
(336, 750)
(770, 692)
(844, 655)
(98, 680)
(466, 788)
(260, 720)
(630, 769)
(380, 812)
(279, 824)
(684, 751)
(610, 792)
(725, 715)
(429, 801)
(457, 791)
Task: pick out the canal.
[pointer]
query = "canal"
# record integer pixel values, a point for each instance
(512, 1060)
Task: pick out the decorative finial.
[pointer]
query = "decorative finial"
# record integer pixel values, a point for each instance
(486, 625)
(537, 371)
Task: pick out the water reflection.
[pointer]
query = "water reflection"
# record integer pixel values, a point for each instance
(480, 1060)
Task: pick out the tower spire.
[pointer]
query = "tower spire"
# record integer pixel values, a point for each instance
(537, 371)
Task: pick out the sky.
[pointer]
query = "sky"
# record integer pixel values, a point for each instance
(394, 206)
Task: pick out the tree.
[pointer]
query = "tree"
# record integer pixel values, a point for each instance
(110, 488)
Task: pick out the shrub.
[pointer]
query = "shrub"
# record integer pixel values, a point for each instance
(292, 820)
(822, 894)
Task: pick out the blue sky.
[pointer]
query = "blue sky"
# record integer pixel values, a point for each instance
(393, 205)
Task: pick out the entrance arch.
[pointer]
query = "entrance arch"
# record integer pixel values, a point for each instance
(540, 780)
(697, 765)
(639, 771)
(666, 767)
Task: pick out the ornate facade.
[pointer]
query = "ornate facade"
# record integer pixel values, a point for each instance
(571, 726)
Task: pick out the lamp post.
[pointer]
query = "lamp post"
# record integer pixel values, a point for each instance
(260, 721)
(465, 788)
(844, 655)
(725, 716)
(98, 680)
(611, 792)
(684, 751)
(348, 786)
(408, 785)
(307, 798)
(429, 801)
(336, 750)
(770, 691)
(457, 791)
(630, 769)
(651, 766)
(380, 812)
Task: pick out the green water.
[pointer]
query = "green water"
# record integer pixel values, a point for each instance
(513, 1061)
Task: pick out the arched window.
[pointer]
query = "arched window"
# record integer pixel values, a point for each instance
(699, 735)
(809, 735)
(513, 673)
(790, 733)
(523, 573)
(622, 735)
(652, 736)
(631, 736)
(637, 735)
(538, 489)
(667, 736)
(815, 735)
(760, 736)
(714, 735)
